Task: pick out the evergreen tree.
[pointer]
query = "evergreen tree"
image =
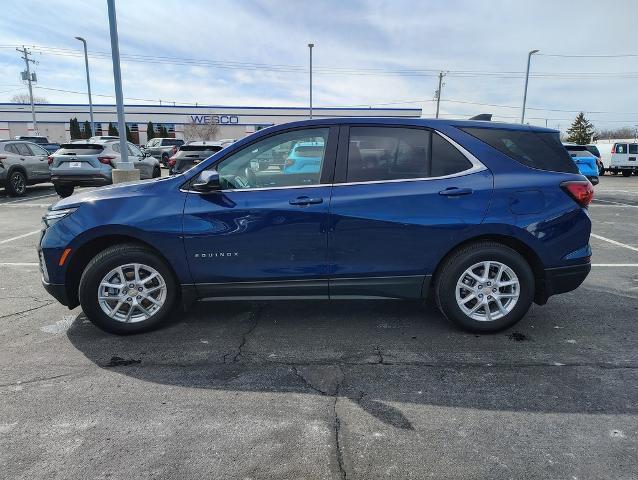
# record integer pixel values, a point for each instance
(580, 131)
(113, 130)
(74, 129)
(87, 130)
(129, 135)
(150, 130)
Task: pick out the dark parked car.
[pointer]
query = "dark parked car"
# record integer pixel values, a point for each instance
(191, 154)
(42, 141)
(486, 217)
(22, 163)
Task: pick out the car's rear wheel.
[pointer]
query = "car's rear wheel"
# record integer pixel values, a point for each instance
(626, 173)
(17, 184)
(127, 289)
(484, 287)
(64, 190)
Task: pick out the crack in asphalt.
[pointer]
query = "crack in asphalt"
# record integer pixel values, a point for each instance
(27, 310)
(254, 320)
(37, 380)
(336, 420)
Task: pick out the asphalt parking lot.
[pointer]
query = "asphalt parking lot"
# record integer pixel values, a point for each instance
(359, 389)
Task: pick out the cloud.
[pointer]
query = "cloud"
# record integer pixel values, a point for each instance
(456, 35)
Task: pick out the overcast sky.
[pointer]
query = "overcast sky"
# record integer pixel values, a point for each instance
(363, 50)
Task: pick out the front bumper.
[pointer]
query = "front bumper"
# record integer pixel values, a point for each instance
(57, 291)
(560, 280)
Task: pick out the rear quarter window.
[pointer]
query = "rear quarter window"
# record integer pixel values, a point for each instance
(539, 150)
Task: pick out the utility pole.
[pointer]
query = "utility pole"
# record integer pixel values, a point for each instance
(529, 60)
(310, 45)
(29, 78)
(438, 93)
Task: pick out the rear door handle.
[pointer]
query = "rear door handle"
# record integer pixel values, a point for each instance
(305, 200)
(454, 191)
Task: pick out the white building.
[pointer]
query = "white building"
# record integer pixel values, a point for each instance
(234, 122)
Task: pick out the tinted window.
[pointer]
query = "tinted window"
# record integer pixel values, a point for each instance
(200, 148)
(22, 149)
(133, 150)
(11, 148)
(620, 148)
(283, 167)
(593, 149)
(446, 159)
(172, 141)
(633, 148)
(579, 151)
(541, 150)
(37, 151)
(385, 153)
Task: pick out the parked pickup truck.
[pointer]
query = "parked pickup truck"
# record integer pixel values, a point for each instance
(624, 159)
(163, 148)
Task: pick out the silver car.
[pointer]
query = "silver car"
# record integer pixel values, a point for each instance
(21, 164)
(89, 164)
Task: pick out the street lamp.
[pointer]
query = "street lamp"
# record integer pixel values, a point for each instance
(310, 45)
(88, 83)
(529, 59)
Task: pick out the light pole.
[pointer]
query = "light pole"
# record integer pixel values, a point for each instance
(529, 59)
(310, 45)
(88, 83)
(125, 171)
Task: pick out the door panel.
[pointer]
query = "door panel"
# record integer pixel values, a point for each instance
(385, 237)
(262, 234)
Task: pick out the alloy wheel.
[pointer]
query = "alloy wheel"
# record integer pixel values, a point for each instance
(487, 291)
(132, 293)
(18, 183)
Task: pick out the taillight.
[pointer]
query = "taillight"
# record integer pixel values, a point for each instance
(49, 159)
(172, 162)
(581, 191)
(106, 160)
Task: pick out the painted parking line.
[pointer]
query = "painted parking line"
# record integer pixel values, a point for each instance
(609, 203)
(19, 237)
(19, 264)
(23, 200)
(614, 242)
(27, 205)
(614, 264)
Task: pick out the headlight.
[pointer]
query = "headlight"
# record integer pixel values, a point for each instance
(54, 216)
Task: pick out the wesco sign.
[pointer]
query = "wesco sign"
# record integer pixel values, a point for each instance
(221, 119)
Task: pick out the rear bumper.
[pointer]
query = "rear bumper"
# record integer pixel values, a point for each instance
(81, 180)
(561, 280)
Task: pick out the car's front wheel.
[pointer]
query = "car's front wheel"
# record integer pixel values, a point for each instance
(484, 287)
(127, 289)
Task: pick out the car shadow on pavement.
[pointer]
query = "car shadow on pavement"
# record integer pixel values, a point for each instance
(384, 354)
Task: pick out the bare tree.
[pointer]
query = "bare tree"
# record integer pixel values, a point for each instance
(24, 98)
(205, 131)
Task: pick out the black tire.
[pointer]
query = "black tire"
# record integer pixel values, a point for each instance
(459, 261)
(165, 160)
(16, 184)
(601, 171)
(615, 172)
(157, 172)
(111, 258)
(626, 173)
(64, 190)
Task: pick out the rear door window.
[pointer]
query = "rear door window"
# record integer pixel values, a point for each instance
(23, 149)
(540, 150)
(394, 153)
(37, 151)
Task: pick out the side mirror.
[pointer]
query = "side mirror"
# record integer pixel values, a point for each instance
(207, 181)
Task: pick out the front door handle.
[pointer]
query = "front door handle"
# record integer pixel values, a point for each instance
(305, 201)
(455, 191)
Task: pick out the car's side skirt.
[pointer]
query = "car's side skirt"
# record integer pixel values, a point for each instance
(394, 287)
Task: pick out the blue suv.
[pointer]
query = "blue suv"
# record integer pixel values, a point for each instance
(486, 217)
